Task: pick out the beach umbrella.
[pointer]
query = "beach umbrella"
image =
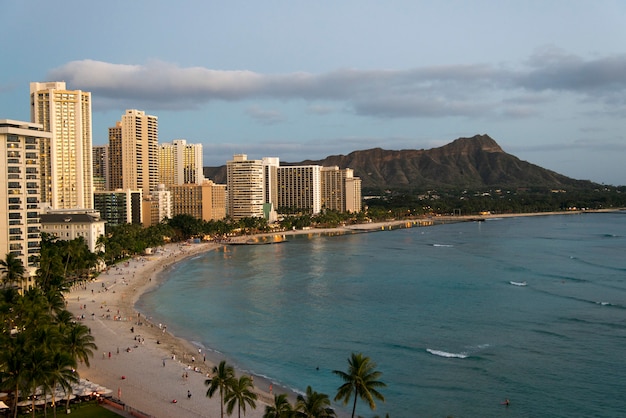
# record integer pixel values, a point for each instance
(3, 405)
(25, 402)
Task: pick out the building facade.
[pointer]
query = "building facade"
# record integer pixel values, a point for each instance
(68, 225)
(157, 206)
(341, 191)
(180, 163)
(133, 149)
(65, 157)
(299, 189)
(206, 201)
(20, 188)
(246, 187)
(100, 167)
(119, 207)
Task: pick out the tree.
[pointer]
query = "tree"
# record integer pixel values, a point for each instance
(360, 380)
(13, 364)
(12, 270)
(281, 408)
(240, 393)
(314, 405)
(61, 372)
(222, 380)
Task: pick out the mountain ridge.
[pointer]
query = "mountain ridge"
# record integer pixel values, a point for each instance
(476, 162)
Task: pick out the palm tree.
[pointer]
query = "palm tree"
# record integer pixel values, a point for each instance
(12, 270)
(362, 380)
(38, 366)
(79, 344)
(314, 405)
(222, 380)
(13, 364)
(240, 393)
(280, 409)
(62, 373)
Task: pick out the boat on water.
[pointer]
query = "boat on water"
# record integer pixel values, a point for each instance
(518, 283)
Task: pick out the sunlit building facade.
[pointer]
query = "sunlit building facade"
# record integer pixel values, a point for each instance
(20, 186)
(133, 149)
(65, 157)
(299, 189)
(180, 163)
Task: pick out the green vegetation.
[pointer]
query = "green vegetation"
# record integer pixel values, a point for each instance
(360, 380)
(399, 204)
(41, 344)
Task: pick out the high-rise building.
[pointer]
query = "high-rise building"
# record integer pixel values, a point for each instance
(101, 167)
(20, 186)
(299, 189)
(341, 191)
(180, 163)
(245, 183)
(133, 148)
(354, 200)
(66, 159)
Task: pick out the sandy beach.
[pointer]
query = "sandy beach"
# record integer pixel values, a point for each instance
(145, 365)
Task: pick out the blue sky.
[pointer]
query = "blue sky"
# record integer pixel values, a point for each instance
(307, 79)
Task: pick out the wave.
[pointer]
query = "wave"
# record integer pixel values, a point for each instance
(443, 245)
(446, 354)
(518, 283)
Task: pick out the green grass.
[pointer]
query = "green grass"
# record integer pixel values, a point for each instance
(85, 410)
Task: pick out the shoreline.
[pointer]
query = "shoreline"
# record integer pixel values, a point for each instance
(146, 367)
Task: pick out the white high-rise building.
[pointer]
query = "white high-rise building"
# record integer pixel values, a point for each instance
(66, 159)
(180, 163)
(20, 185)
(245, 187)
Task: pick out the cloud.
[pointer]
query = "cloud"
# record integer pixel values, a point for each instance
(266, 117)
(436, 91)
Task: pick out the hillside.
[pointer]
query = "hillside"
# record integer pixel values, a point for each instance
(474, 162)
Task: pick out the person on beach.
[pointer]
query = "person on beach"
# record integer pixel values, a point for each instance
(188, 394)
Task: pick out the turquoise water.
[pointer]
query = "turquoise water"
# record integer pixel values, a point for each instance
(432, 306)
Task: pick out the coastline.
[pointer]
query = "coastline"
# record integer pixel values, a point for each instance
(152, 360)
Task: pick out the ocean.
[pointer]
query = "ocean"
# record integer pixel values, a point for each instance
(457, 317)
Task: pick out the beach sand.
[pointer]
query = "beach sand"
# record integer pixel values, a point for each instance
(146, 367)
(146, 375)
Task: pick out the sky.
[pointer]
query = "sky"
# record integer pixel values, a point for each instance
(307, 79)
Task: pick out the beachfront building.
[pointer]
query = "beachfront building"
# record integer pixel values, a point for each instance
(68, 224)
(20, 187)
(100, 161)
(246, 187)
(180, 163)
(206, 201)
(341, 191)
(65, 157)
(133, 150)
(299, 189)
(119, 207)
(354, 199)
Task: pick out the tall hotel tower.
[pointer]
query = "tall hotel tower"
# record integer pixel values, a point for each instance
(20, 193)
(133, 150)
(66, 165)
(245, 185)
(180, 163)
